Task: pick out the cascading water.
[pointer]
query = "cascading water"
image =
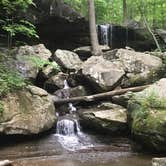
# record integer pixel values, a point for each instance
(104, 34)
(68, 129)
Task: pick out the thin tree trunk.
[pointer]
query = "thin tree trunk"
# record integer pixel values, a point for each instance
(93, 32)
(124, 11)
(100, 95)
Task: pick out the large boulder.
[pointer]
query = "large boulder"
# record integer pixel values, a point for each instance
(26, 112)
(147, 116)
(68, 60)
(139, 67)
(107, 117)
(103, 74)
(28, 59)
(159, 161)
(85, 52)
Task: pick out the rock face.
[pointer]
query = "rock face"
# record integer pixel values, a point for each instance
(107, 117)
(162, 34)
(85, 51)
(26, 112)
(147, 116)
(159, 161)
(58, 24)
(121, 67)
(105, 75)
(68, 60)
(26, 57)
(139, 67)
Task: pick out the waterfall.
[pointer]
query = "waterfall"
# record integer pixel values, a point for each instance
(68, 130)
(67, 127)
(104, 34)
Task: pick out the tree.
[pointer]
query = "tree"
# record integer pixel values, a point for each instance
(93, 32)
(124, 11)
(11, 19)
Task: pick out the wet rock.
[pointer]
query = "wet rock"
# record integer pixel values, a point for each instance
(55, 82)
(103, 74)
(68, 60)
(27, 57)
(139, 67)
(159, 161)
(146, 116)
(107, 117)
(26, 112)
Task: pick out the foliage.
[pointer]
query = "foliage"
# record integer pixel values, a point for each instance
(112, 10)
(40, 63)
(11, 13)
(148, 101)
(9, 80)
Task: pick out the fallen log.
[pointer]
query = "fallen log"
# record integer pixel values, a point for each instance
(100, 95)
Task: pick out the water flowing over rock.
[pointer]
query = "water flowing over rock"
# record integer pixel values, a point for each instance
(26, 57)
(29, 111)
(68, 60)
(107, 117)
(147, 112)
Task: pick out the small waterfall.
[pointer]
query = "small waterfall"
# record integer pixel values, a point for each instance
(68, 130)
(67, 127)
(104, 34)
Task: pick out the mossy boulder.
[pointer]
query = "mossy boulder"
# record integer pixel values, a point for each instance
(147, 116)
(28, 111)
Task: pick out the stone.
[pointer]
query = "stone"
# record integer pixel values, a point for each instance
(162, 34)
(55, 82)
(26, 112)
(37, 50)
(107, 117)
(159, 161)
(140, 68)
(68, 60)
(85, 51)
(103, 74)
(26, 57)
(147, 116)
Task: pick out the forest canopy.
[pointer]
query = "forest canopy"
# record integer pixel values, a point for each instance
(112, 11)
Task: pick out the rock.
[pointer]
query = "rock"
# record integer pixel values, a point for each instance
(103, 74)
(139, 67)
(55, 82)
(27, 58)
(58, 24)
(122, 99)
(5, 163)
(68, 60)
(26, 112)
(159, 161)
(85, 51)
(147, 116)
(162, 34)
(71, 92)
(107, 117)
(37, 50)
(78, 91)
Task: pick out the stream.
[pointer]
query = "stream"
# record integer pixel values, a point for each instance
(68, 145)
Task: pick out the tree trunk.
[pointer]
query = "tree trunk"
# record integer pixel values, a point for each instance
(124, 11)
(93, 32)
(100, 95)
